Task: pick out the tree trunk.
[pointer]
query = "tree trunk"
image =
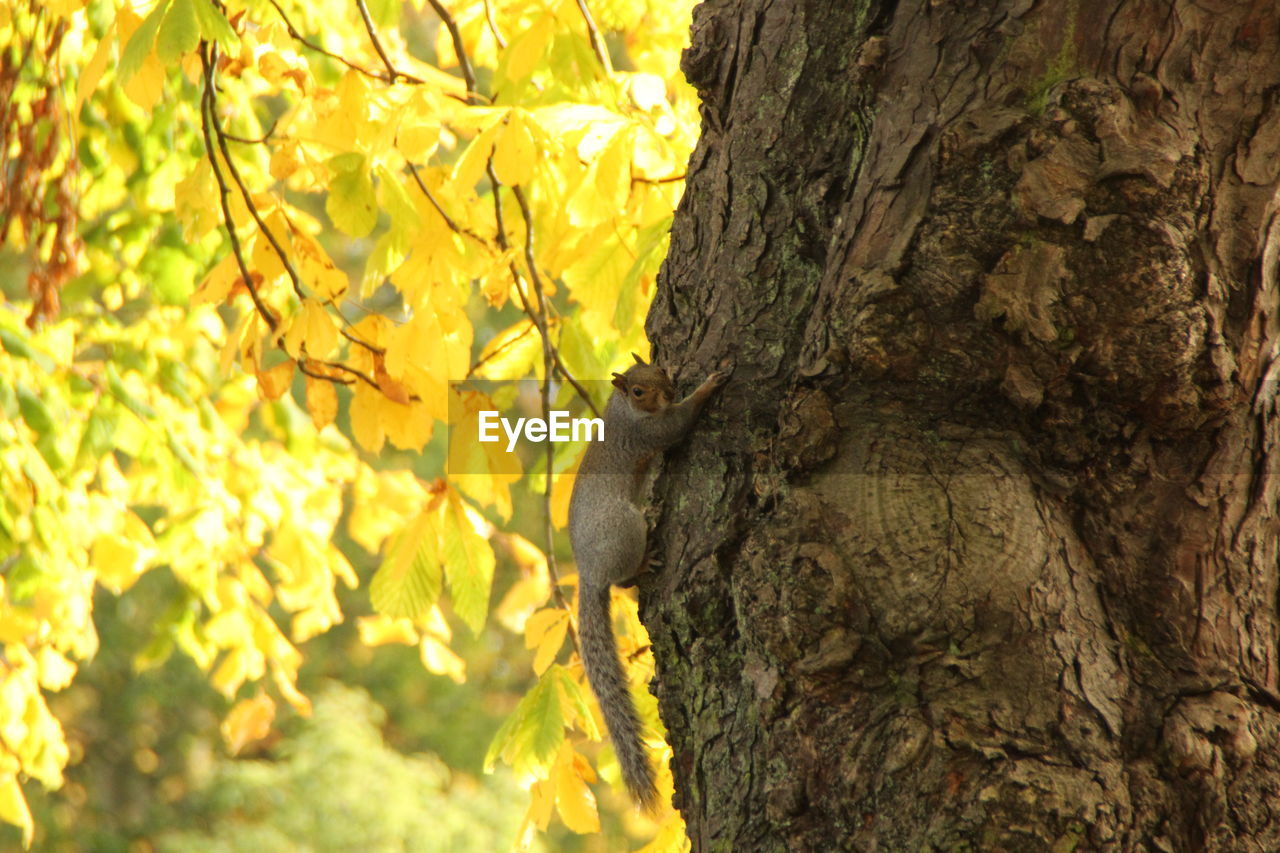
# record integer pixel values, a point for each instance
(978, 548)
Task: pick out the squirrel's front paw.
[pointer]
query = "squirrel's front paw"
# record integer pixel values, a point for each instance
(717, 378)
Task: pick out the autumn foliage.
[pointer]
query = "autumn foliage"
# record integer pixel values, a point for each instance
(252, 243)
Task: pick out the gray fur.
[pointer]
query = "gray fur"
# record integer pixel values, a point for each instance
(608, 531)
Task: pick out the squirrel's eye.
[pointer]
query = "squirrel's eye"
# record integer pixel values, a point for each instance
(639, 392)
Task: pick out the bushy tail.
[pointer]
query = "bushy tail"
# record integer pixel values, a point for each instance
(604, 671)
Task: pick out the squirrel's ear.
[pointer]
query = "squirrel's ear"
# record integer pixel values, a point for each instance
(638, 359)
(619, 381)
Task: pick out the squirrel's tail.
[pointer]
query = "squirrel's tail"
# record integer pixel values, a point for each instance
(604, 671)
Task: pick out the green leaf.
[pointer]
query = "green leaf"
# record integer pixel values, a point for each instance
(139, 47)
(172, 274)
(385, 13)
(214, 26)
(351, 161)
(409, 579)
(180, 32)
(116, 386)
(469, 562)
(352, 204)
(572, 694)
(181, 453)
(15, 345)
(399, 206)
(34, 411)
(531, 736)
(98, 435)
(651, 248)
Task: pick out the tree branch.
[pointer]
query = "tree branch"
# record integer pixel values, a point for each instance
(392, 73)
(464, 63)
(305, 42)
(597, 41)
(208, 57)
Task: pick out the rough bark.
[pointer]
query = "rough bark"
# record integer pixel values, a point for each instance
(978, 550)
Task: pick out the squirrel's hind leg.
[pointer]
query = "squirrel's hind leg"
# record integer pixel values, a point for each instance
(629, 547)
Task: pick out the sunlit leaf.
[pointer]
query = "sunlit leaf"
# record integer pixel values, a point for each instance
(249, 721)
(469, 563)
(409, 580)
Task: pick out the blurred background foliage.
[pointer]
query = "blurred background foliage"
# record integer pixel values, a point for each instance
(210, 448)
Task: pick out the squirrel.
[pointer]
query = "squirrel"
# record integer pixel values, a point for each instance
(607, 530)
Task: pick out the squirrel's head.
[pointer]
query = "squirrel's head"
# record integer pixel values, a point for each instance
(645, 387)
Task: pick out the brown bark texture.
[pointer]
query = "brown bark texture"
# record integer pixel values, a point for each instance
(978, 548)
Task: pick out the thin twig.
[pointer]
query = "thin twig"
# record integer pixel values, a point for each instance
(392, 73)
(208, 57)
(448, 220)
(305, 42)
(211, 129)
(479, 364)
(370, 347)
(464, 63)
(244, 193)
(261, 139)
(302, 366)
(597, 41)
(493, 25)
(360, 374)
(543, 307)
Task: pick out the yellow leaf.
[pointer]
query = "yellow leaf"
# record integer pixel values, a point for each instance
(408, 426)
(378, 630)
(366, 417)
(263, 257)
(671, 837)
(318, 270)
(56, 671)
(249, 721)
(92, 72)
(419, 133)
(427, 352)
(511, 353)
(274, 381)
(613, 172)
(647, 91)
(470, 166)
(440, 659)
(346, 116)
(322, 401)
(13, 807)
(382, 504)
(541, 803)
(574, 800)
(546, 631)
(289, 690)
(235, 668)
(514, 151)
(191, 199)
(63, 8)
(485, 471)
(530, 591)
(145, 87)
(118, 560)
(311, 333)
(525, 50)
(284, 160)
(373, 330)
